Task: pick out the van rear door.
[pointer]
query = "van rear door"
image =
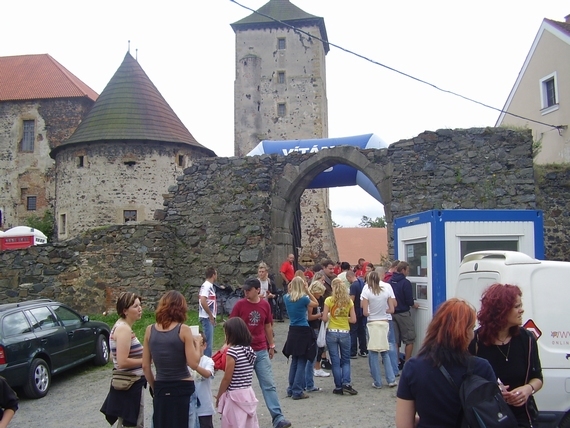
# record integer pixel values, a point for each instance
(471, 285)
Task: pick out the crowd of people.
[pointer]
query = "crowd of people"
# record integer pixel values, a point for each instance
(361, 311)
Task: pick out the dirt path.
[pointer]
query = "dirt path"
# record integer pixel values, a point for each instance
(75, 398)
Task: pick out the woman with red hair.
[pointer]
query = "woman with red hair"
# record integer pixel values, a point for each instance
(170, 345)
(511, 349)
(423, 388)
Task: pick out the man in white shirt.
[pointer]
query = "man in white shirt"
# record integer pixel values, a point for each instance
(207, 308)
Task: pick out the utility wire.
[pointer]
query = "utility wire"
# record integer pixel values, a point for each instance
(558, 127)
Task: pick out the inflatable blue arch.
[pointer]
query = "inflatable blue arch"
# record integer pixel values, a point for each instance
(337, 176)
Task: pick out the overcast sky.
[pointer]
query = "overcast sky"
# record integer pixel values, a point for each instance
(187, 48)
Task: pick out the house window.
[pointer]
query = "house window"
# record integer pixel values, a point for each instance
(281, 43)
(63, 224)
(548, 93)
(281, 109)
(31, 203)
(29, 136)
(281, 77)
(129, 215)
(80, 161)
(181, 160)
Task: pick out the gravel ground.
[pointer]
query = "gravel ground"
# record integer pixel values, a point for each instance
(76, 397)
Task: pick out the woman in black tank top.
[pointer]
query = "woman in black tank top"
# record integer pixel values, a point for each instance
(170, 345)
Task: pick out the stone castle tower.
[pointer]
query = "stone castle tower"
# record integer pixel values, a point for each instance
(122, 158)
(280, 94)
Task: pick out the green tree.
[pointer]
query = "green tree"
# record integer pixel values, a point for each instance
(335, 224)
(369, 222)
(43, 224)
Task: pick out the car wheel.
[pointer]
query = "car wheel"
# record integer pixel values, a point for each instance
(39, 379)
(101, 351)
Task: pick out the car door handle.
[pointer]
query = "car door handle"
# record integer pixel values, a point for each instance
(70, 333)
(44, 341)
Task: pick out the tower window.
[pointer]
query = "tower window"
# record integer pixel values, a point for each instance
(31, 202)
(281, 77)
(80, 161)
(181, 160)
(129, 215)
(27, 144)
(281, 110)
(281, 43)
(62, 224)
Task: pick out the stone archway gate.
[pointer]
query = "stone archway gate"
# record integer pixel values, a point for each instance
(232, 213)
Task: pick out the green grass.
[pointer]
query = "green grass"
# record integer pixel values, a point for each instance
(147, 319)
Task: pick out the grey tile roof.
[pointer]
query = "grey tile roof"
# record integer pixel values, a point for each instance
(284, 11)
(131, 108)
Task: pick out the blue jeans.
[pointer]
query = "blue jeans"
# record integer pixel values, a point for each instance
(374, 364)
(358, 333)
(393, 351)
(266, 381)
(208, 330)
(297, 376)
(309, 373)
(338, 345)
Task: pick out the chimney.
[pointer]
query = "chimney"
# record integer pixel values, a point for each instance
(567, 19)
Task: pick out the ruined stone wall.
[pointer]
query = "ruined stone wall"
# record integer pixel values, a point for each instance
(479, 168)
(96, 183)
(221, 212)
(553, 198)
(90, 271)
(27, 174)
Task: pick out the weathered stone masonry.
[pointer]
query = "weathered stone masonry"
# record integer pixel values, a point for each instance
(234, 212)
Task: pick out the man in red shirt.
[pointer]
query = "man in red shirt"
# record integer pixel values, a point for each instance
(256, 314)
(287, 270)
(360, 269)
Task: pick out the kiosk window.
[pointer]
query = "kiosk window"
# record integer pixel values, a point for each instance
(416, 256)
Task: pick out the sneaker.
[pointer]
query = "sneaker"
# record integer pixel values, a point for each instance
(393, 384)
(376, 386)
(397, 374)
(283, 424)
(300, 397)
(320, 373)
(363, 353)
(353, 357)
(314, 389)
(349, 389)
(338, 391)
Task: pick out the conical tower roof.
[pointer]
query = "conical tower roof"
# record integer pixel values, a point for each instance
(284, 11)
(130, 108)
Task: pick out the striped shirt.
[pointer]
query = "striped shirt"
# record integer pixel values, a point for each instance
(135, 351)
(244, 357)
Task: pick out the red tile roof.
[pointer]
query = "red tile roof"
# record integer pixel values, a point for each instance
(33, 77)
(370, 243)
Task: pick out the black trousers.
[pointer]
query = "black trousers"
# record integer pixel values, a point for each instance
(358, 334)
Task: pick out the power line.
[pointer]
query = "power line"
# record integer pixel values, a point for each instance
(558, 127)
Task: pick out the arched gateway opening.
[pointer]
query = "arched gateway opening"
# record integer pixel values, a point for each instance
(296, 179)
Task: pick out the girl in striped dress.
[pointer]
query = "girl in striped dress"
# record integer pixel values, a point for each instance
(235, 399)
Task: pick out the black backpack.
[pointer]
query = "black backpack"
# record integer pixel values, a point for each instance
(483, 405)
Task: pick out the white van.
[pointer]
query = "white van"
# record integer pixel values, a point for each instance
(545, 287)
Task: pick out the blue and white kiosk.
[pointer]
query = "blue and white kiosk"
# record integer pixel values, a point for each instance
(434, 243)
